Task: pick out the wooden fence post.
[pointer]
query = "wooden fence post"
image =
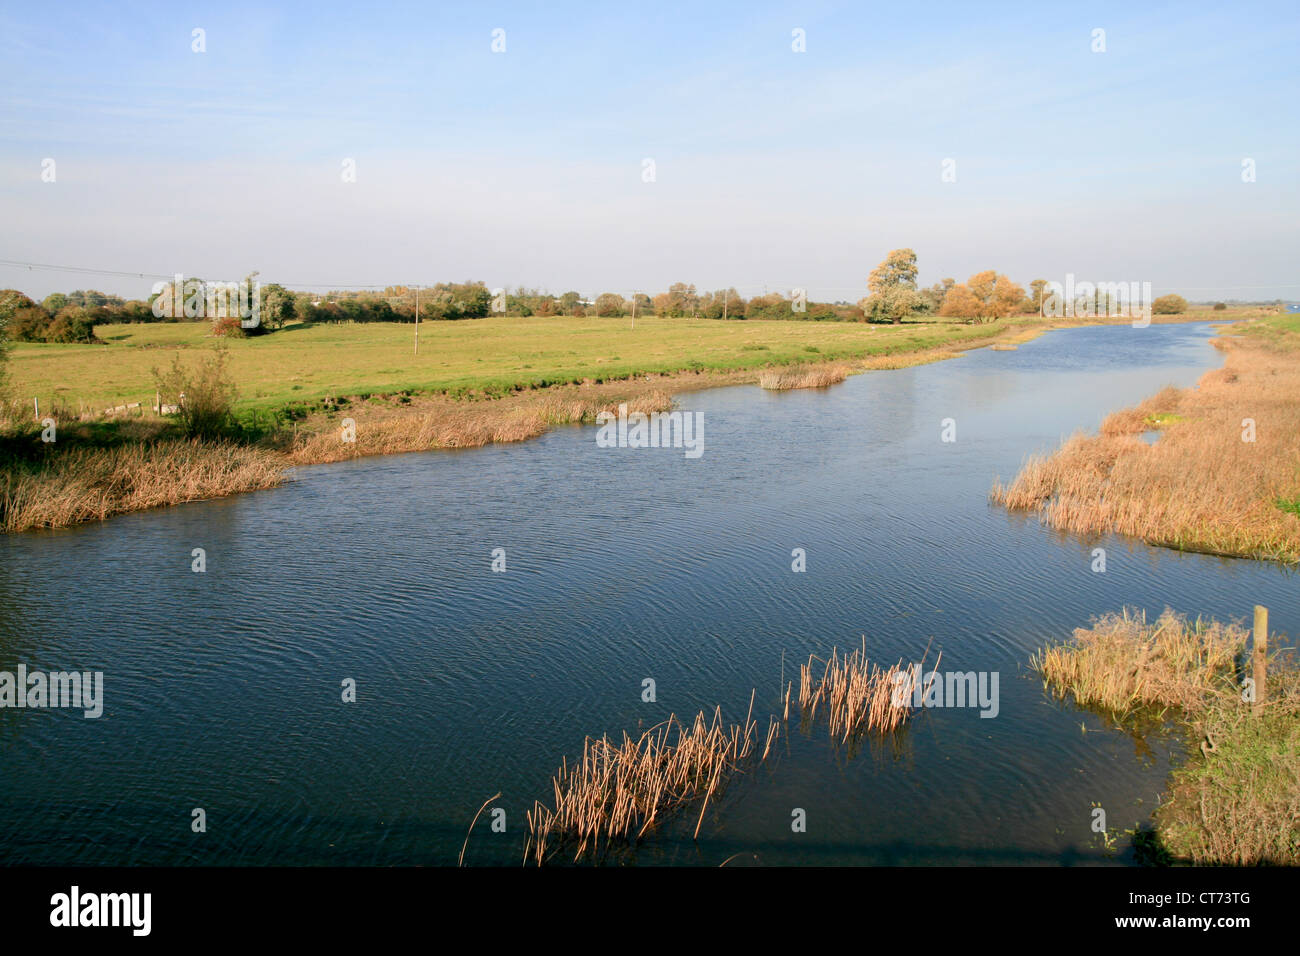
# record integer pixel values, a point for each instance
(1259, 657)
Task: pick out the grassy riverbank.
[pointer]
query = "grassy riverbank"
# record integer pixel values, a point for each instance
(303, 366)
(1223, 476)
(472, 383)
(1237, 801)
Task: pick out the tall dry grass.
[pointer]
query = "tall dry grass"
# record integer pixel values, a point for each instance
(814, 376)
(447, 423)
(70, 486)
(1200, 487)
(1122, 663)
(898, 360)
(617, 792)
(857, 695)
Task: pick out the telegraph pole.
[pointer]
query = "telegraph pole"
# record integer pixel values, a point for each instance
(417, 320)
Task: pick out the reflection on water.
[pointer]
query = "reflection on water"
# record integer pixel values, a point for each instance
(223, 689)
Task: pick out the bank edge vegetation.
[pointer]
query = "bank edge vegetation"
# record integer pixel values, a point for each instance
(1224, 476)
(1237, 800)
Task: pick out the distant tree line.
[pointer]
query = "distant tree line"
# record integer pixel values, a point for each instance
(893, 296)
(471, 300)
(58, 319)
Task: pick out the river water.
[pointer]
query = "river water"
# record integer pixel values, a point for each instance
(223, 689)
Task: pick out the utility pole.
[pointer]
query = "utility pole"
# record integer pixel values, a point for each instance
(417, 320)
(634, 310)
(725, 296)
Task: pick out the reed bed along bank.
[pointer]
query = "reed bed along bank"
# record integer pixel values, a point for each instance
(104, 467)
(1223, 476)
(819, 376)
(617, 792)
(95, 470)
(1236, 798)
(448, 423)
(857, 695)
(67, 487)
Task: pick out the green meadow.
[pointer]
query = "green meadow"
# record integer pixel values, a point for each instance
(306, 363)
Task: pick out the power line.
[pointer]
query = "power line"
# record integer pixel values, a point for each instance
(88, 270)
(84, 269)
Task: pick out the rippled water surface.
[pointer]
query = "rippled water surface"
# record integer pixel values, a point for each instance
(223, 689)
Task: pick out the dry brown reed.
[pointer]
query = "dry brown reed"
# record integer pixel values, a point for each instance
(448, 423)
(1122, 663)
(858, 696)
(460, 861)
(90, 484)
(816, 376)
(898, 360)
(617, 792)
(1208, 484)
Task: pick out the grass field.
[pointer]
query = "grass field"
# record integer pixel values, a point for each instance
(306, 363)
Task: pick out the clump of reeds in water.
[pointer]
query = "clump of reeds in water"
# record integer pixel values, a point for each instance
(1123, 663)
(618, 792)
(819, 376)
(858, 695)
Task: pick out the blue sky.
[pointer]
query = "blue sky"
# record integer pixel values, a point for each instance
(773, 168)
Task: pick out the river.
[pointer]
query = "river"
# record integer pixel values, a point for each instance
(222, 689)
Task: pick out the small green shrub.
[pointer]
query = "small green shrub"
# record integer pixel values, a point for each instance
(205, 394)
(1169, 305)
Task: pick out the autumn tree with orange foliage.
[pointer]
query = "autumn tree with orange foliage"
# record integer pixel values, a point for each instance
(986, 295)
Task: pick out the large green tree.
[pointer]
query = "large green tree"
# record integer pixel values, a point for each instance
(680, 300)
(609, 304)
(277, 306)
(892, 285)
